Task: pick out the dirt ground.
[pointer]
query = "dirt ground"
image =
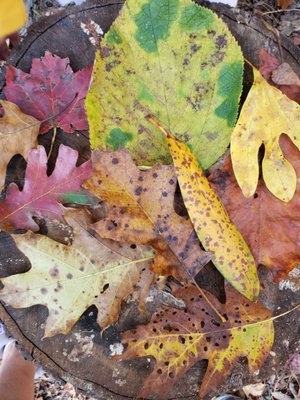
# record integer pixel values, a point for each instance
(286, 384)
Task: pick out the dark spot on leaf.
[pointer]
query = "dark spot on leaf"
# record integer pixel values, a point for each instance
(138, 190)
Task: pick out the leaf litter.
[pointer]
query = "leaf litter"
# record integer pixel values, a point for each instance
(127, 207)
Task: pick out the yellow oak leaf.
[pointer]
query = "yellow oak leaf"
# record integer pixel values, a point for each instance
(69, 279)
(179, 339)
(216, 232)
(266, 114)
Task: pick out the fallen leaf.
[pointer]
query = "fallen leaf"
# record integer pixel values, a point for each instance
(254, 390)
(179, 339)
(141, 210)
(284, 4)
(51, 91)
(69, 279)
(267, 63)
(216, 232)
(269, 226)
(42, 194)
(18, 134)
(172, 59)
(266, 114)
(284, 75)
(272, 70)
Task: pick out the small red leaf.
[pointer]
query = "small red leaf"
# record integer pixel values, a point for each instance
(51, 91)
(42, 194)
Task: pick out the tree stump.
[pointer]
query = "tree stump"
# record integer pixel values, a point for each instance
(83, 356)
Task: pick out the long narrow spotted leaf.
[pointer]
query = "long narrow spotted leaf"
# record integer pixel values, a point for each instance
(212, 224)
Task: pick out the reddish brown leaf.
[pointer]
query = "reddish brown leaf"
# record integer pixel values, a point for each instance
(50, 91)
(279, 75)
(141, 210)
(42, 194)
(284, 75)
(178, 339)
(270, 227)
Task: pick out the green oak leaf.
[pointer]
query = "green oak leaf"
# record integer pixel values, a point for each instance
(176, 61)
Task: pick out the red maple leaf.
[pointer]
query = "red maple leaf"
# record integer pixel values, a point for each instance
(42, 195)
(51, 91)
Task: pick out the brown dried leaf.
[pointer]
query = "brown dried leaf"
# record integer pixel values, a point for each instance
(141, 210)
(18, 134)
(269, 226)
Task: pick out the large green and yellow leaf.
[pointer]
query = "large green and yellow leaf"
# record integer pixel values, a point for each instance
(69, 279)
(179, 339)
(266, 114)
(216, 232)
(172, 59)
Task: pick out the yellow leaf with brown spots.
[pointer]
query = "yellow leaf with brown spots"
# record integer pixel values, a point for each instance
(18, 134)
(213, 226)
(179, 339)
(69, 279)
(266, 114)
(141, 210)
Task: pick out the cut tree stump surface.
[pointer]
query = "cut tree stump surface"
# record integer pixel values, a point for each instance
(83, 356)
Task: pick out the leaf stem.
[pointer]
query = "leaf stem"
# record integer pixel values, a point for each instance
(52, 142)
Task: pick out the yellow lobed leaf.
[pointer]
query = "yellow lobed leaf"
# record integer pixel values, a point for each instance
(179, 339)
(213, 226)
(69, 279)
(18, 134)
(266, 114)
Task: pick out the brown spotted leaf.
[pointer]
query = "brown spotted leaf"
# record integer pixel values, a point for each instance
(141, 210)
(179, 339)
(270, 227)
(69, 279)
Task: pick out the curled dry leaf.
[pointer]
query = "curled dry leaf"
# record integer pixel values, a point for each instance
(279, 75)
(213, 226)
(18, 134)
(266, 114)
(141, 210)
(269, 226)
(172, 59)
(179, 339)
(69, 279)
(51, 91)
(42, 195)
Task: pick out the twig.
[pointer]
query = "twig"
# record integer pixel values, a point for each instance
(52, 142)
(280, 11)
